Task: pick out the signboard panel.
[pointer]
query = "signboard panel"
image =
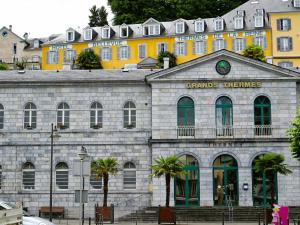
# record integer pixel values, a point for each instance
(86, 168)
(84, 196)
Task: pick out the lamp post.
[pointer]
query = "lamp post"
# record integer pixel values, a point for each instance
(53, 135)
(82, 155)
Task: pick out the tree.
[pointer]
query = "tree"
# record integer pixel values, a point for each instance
(3, 66)
(270, 164)
(255, 52)
(88, 59)
(102, 168)
(169, 167)
(138, 11)
(294, 136)
(169, 55)
(98, 16)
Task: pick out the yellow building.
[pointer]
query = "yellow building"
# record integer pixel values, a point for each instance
(140, 44)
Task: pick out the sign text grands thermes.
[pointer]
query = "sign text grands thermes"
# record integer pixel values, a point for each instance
(203, 85)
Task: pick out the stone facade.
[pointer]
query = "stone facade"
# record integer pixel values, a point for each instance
(155, 135)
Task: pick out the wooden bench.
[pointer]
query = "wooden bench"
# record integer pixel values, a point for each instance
(57, 211)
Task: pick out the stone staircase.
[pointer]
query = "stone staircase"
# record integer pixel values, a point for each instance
(201, 214)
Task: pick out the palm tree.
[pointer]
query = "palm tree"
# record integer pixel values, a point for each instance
(102, 168)
(270, 164)
(170, 167)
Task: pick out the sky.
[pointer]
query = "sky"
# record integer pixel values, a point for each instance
(41, 18)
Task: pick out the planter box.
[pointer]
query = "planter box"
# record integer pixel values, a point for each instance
(166, 215)
(105, 214)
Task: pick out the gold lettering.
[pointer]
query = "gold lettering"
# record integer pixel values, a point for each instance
(258, 85)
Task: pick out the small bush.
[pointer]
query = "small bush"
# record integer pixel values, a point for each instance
(169, 55)
(3, 66)
(88, 59)
(255, 52)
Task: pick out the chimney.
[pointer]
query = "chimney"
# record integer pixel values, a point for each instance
(25, 36)
(10, 27)
(166, 62)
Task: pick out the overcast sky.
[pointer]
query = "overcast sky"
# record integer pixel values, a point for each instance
(41, 18)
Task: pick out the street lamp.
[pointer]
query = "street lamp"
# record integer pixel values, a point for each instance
(82, 155)
(54, 134)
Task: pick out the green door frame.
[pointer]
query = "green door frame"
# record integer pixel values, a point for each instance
(262, 116)
(187, 190)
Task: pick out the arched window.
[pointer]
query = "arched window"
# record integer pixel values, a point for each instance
(129, 176)
(30, 116)
(62, 175)
(28, 172)
(96, 115)
(0, 177)
(129, 115)
(1, 116)
(185, 117)
(63, 116)
(262, 186)
(262, 116)
(225, 171)
(224, 116)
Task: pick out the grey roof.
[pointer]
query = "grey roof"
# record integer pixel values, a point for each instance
(249, 7)
(82, 76)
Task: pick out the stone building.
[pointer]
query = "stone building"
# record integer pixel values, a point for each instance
(218, 113)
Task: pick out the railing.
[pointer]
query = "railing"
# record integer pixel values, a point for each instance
(263, 130)
(224, 131)
(186, 131)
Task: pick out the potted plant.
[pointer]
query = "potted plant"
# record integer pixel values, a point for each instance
(169, 167)
(269, 165)
(102, 168)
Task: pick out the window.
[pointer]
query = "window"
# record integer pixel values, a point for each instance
(185, 117)
(30, 116)
(239, 23)
(1, 177)
(88, 34)
(95, 182)
(123, 52)
(124, 32)
(105, 33)
(1, 116)
(36, 43)
(180, 28)
(219, 44)
(199, 47)
(52, 57)
(14, 48)
(162, 47)
(199, 26)
(70, 35)
(260, 41)
(287, 65)
(129, 115)
(106, 53)
(62, 175)
(129, 178)
(142, 51)
(296, 3)
(96, 115)
(284, 44)
(63, 115)
(262, 116)
(219, 24)
(35, 58)
(224, 117)
(259, 18)
(239, 44)
(180, 48)
(150, 30)
(28, 172)
(283, 24)
(69, 56)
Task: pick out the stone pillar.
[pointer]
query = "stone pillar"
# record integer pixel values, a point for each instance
(206, 187)
(245, 177)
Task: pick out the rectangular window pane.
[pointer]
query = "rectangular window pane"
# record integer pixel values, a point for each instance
(28, 179)
(129, 179)
(62, 179)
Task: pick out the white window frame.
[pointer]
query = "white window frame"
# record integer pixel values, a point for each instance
(121, 31)
(52, 57)
(160, 49)
(132, 168)
(29, 183)
(239, 44)
(130, 121)
(180, 27)
(97, 119)
(285, 47)
(31, 110)
(219, 41)
(65, 120)
(36, 43)
(71, 55)
(285, 24)
(180, 48)
(200, 47)
(239, 22)
(65, 171)
(219, 25)
(96, 184)
(73, 36)
(106, 53)
(88, 34)
(260, 41)
(201, 26)
(139, 51)
(153, 29)
(105, 33)
(286, 64)
(296, 3)
(124, 52)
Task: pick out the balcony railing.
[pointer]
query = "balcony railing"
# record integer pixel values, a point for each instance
(257, 131)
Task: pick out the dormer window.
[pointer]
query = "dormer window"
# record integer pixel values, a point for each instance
(105, 33)
(296, 3)
(88, 34)
(199, 26)
(239, 22)
(219, 24)
(180, 28)
(70, 35)
(124, 31)
(153, 29)
(259, 18)
(36, 44)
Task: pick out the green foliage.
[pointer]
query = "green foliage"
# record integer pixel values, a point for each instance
(138, 11)
(169, 55)
(98, 17)
(102, 168)
(22, 64)
(255, 52)
(88, 59)
(3, 66)
(294, 136)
